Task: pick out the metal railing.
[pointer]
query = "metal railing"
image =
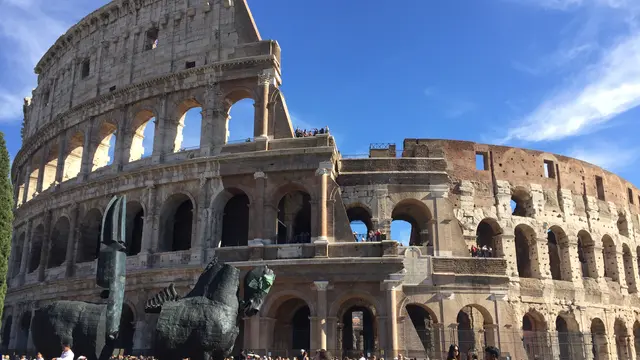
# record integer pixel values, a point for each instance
(380, 146)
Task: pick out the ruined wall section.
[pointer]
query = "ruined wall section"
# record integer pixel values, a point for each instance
(116, 46)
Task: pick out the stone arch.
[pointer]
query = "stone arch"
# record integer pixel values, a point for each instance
(629, 272)
(73, 156)
(535, 337)
(357, 327)
(587, 255)
(292, 326)
(59, 241)
(273, 302)
(609, 254)
(362, 213)
(177, 133)
(32, 177)
(90, 229)
(135, 227)
(421, 336)
(16, 260)
(526, 252)
(235, 205)
(489, 233)
(473, 321)
(135, 139)
(600, 344)
(37, 240)
(102, 142)
(242, 100)
(50, 169)
(178, 223)
(570, 339)
(559, 254)
(294, 214)
(622, 339)
(416, 213)
(623, 224)
(23, 332)
(521, 202)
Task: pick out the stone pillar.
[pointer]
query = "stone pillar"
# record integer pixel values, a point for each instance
(391, 287)
(636, 279)
(441, 234)
(15, 327)
(254, 332)
(324, 171)
(26, 249)
(121, 140)
(624, 288)
(258, 226)
(539, 255)
(261, 122)
(149, 233)
(70, 256)
(162, 144)
(321, 311)
(46, 246)
(86, 165)
(62, 148)
(43, 163)
(214, 120)
(27, 181)
(571, 260)
(202, 218)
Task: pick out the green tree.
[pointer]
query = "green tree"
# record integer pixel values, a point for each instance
(6, 218)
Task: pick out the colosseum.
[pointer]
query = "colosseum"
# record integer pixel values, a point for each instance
(559, 278)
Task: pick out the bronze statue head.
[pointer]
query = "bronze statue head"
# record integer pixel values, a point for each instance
(257, 285)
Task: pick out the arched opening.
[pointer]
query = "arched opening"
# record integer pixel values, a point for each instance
(629, 273)
(402, 232)
(32, 178)
(526, 252)
(558, 247)
(36, 248)
(235, 220)
(489, 237)
(474, 328)
(177, 222)
(135, 227)
(23, 334)
(610, 259)
(240, 122)
(106, 145)
(59, 241)
(587, 255)
(535, 336)
(600, 346)
(189, 127)
(16, 260)
(294, 218)
(292, 328)
(623, 224)
(622, 340)
(143, 129)
(89, 245)
(358, 331)
(421, 332)
(127, 329)
(6, 331)
(570, 342)
(521, 203)
(636, 338)
(417, 214)
(360, 221)
(50, 166)
(73, 158)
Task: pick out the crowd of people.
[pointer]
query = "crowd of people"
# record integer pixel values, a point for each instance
(372, 236)
(484, 251)
(490, 353)
(313, 132)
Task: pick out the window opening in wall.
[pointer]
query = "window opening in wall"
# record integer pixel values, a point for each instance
(47, 94)
(151, 41)
(240, 123)
(549, 169)
(190, 64)
(86, 68)
(521, 203)
(112, 89)
(482, 161)
(401, 231)
(630, 192)
(189, 128)
(600, 188)
(360, 220)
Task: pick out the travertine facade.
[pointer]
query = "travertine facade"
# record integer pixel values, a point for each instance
(563, 283)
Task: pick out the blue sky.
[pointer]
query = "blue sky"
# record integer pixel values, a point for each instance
(555, 75)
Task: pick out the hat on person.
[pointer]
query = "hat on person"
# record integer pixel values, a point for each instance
(492, 350)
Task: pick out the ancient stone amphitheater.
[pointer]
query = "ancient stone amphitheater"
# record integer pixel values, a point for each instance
(561, 281)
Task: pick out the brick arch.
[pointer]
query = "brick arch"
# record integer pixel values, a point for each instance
(236, 93)
(402, 309)
(139, 119)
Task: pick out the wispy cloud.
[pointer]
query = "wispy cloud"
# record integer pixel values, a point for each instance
(28, 28)
(560, 59)
(608, 156)
(451, 107)
(598, 94)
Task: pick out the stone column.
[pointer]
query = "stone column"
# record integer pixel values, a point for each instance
(26, 249)
(27, 181)
(46, 246)
(121, 135)
(62, 148)
(624, 288)
(321, 312)
(441, 235)
(202, 216)
(214, 119)
(15, 327)
(539, 255)
(261, 122)
(162, 144)
(254, 332)
(391, 287)
(150, 238)
(70, 256)
(636, 275)
(571, 260)
(43, 163)
(325, 170)
(86, 165)
(259, 234)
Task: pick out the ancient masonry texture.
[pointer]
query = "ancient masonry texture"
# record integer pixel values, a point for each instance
(562, 281)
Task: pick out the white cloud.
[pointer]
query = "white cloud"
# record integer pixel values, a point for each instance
(600, 93)
(608, 156)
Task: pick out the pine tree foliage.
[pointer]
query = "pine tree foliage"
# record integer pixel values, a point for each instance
(6, 218)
